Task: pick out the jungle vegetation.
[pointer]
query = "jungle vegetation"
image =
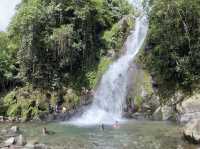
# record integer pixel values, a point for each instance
(53, 48)
(172, 50)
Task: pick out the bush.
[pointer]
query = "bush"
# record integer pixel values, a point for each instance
(14, 110)
(61, 38)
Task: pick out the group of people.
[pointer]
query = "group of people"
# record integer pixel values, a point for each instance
(58, 108)
(116, 125)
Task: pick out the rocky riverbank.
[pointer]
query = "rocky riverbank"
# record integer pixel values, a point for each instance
(49, 117)
(147, 105)
(189, 116)
(12, 138)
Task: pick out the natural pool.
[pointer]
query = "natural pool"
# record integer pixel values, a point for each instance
(131, 135)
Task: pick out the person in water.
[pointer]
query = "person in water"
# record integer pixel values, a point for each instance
(45, 131)
(102, 126)
(116, 125)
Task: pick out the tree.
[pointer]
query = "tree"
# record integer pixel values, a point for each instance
(61, 38)
(8, 67)
(172, 52)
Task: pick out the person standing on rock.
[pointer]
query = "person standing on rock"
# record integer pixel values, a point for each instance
(59, 103)
(48, 100)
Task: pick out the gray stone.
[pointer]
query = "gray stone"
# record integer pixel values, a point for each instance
(9, 141)
(33, 142)
(138, 116)
(1, 119)
(36, 146)
(150, 103)
(4, 131)
(191, 131)
(189, 109)
(11, 119)
(164, 113)
(167, 113)
(40, 146)
(20, 140)
(14, 129)
(29, 146)
(111, 53)
(157, 115)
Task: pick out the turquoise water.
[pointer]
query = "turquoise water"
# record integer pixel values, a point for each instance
(132, 135)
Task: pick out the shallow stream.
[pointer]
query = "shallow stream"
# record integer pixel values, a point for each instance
(130, 135)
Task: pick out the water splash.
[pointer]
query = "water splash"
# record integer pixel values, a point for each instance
(112, 91)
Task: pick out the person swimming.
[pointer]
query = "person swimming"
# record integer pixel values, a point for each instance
(45, 131)
(102, 126)
(116, 125)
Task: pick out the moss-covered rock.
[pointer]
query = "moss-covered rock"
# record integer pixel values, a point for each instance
(116, 37)
(29, 103)
(140, 88)
(189, 108)
(24, 102)
(95, 76)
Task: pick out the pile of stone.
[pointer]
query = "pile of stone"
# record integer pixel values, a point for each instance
(14, 140)
(4, 119)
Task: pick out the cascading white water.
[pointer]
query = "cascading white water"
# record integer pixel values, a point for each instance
(111, 94)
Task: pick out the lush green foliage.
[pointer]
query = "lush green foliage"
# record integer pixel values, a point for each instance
(172, 53)
(116, 37)
(62, 38)
(59, 46)
(8, 67)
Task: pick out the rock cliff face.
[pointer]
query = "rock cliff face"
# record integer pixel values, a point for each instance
(189, 115)
(189, 109)
(191, 131)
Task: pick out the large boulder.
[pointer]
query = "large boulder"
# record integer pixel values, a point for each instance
(10, 141)
(191, 131)
(139, 116)
(14, 129)
(20, 140)
(168, 113)
(1, 119)
(164, 113)
(189, 109)
(157, 115)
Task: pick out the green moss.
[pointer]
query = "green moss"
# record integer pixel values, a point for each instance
(9, 98)
(141, 86)
(70, 99)
(115, 37)
(95, 76)
(138, 101)
(22, 102)
(147, 82)
(14, 110)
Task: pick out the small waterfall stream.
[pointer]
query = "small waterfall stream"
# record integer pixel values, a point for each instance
(110, 96)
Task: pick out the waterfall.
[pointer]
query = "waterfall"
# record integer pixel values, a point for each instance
(110, 96)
